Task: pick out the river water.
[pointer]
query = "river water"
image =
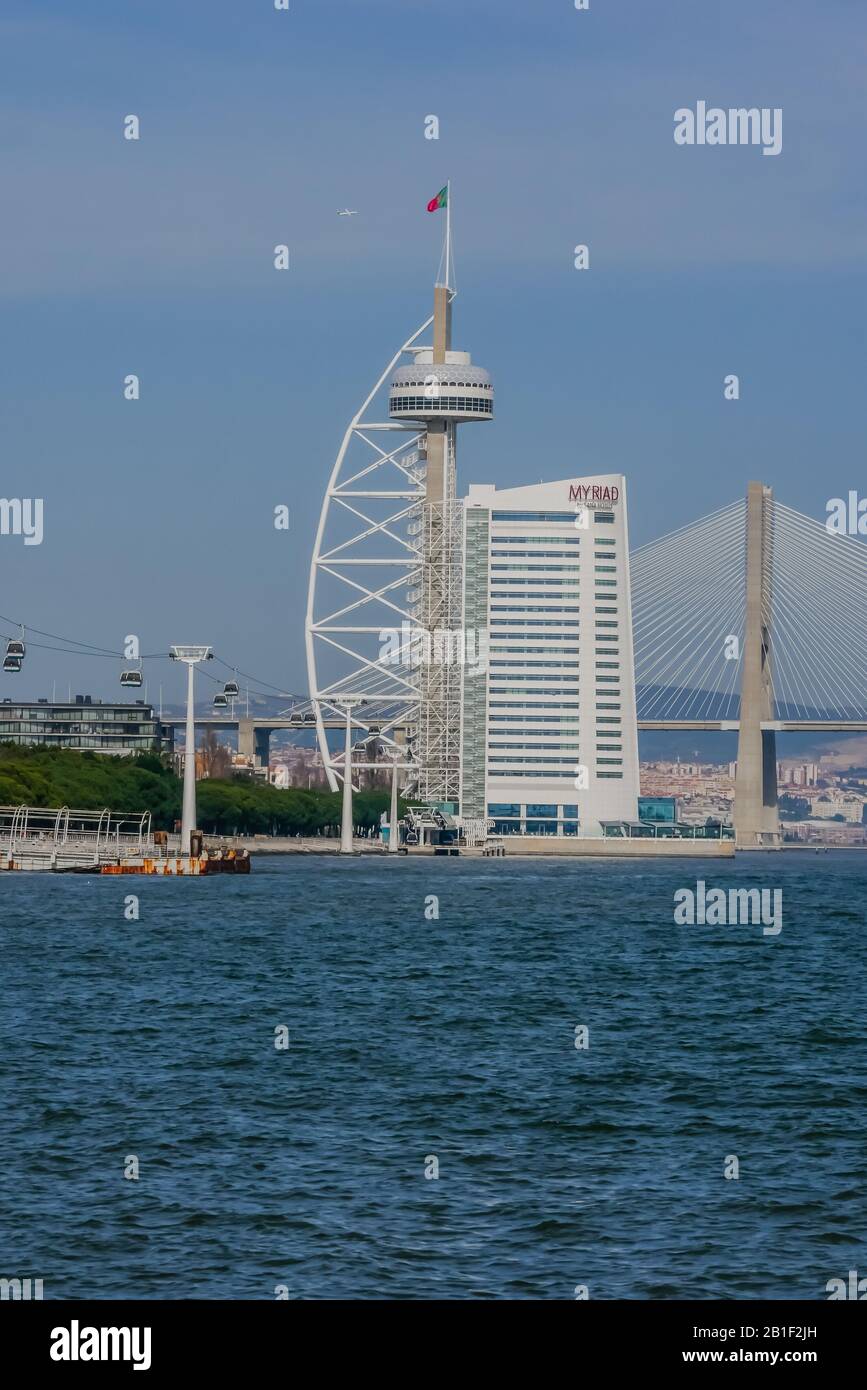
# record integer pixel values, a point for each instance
(417, 1043)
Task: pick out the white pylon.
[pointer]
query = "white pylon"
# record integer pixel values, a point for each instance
(191, 656)
(393, 829)
(346, 825)
(188, 814)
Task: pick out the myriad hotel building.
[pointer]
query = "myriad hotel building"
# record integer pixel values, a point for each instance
(549, 740)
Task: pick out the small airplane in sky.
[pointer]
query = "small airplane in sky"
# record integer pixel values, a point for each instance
(347, 212)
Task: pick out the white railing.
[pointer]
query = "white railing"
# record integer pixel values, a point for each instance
(100, 834)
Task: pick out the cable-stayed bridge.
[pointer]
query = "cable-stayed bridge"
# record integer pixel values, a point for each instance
(749, 620)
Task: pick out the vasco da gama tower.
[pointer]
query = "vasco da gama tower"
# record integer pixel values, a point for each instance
(486, 642)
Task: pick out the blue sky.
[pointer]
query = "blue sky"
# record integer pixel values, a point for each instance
(155, 257)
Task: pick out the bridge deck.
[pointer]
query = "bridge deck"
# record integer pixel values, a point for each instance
(781, 726)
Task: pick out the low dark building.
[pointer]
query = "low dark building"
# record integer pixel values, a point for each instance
(103, 728)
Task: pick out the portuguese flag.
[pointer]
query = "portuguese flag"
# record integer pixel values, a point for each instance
(440, 201)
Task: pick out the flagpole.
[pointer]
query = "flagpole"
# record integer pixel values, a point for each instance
(448, 234)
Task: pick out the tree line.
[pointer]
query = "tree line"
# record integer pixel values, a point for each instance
(143, 782)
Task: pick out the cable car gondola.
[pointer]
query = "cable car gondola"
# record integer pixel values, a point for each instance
(130, 678)
(15, 646)
(12, 663)
(231, 690)
(220, 700)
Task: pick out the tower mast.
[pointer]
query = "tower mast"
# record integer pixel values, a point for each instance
(448, 233)
(440, 610)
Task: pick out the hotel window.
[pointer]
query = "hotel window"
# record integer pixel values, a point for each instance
(612, 762)
(608, 665)
(521, 762)
(550, 689)
(610, 583)
(608, 748)
(527, 642)
(608, 707)
(610, 774)
(607, 651)
(547, 774)
(556, 747)
(602, 622)
(538, 812)
(605, 569)
(604, 719)
(529, 709)
(607, 680)
(541, 827)
(604, 518)
(600, 609)
(533, 516)
(500, 680)
(502, 538)
(526, 722)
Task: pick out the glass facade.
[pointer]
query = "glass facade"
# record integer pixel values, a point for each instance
(531, 818)
(430, 405)
(658, 809)
(103, 728)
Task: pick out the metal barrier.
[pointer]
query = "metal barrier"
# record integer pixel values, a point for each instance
(48, 833)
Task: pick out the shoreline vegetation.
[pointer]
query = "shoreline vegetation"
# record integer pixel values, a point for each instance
(87, 781)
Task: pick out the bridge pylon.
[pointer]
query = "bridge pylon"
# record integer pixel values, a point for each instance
(756, 812)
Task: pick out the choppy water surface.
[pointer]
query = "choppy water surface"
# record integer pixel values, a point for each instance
(453, 1038)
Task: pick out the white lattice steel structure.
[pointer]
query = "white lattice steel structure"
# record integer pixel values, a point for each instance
(386, 570)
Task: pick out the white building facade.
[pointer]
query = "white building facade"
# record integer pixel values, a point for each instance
(549, 740)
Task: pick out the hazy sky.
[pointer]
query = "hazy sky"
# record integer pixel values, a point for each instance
(156, 257)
